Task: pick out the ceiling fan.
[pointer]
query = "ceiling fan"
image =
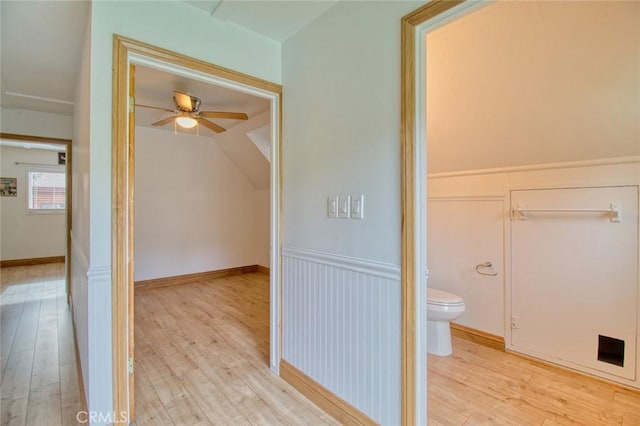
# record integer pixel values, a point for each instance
(187, 113)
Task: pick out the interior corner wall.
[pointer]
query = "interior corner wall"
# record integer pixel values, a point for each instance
(509, 85)
(194, 209)
(262, 227)
(80, 247)
(341, 79)
(28, 235)
(36, 123)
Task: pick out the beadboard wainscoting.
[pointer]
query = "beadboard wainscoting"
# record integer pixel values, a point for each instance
(341, 327)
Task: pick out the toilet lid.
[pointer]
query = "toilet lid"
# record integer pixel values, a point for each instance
(441, 297)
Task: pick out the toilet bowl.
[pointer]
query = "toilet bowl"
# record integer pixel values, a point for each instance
(442, 307)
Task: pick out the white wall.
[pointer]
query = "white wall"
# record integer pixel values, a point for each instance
(80, 247)
(463, 233)
(210, 40)
(35, 123)
(194, 209)
(262, 233)
(469, 216)
(519, 83)
(341, 135)
(29, 235)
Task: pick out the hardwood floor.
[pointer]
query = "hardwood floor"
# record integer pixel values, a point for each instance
(39, 384)
(202, 357)
(479, 385)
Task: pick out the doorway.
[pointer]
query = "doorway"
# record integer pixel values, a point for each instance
(414, 28)
(129, 52)
(55, 160)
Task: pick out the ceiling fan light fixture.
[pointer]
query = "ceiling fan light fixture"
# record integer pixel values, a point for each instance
(186, 122)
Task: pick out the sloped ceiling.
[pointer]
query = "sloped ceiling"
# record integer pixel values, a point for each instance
(155, 88)
(41, 47)
(277, 20)
(41, 44)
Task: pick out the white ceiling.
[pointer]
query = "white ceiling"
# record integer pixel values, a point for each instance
(277, 20)
(41, 46)
(31, 145)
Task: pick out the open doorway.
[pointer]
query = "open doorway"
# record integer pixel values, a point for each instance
(36, 212)
(128, 52)
(201, 245)
(540, 126)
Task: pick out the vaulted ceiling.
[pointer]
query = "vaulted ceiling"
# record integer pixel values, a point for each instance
(41, 44)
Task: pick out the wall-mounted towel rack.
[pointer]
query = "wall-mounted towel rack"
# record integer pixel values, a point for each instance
(21, 163)
(520, 212)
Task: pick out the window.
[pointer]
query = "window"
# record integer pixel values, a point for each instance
(47, 190)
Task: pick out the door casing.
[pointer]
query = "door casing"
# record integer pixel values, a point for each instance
(126, 52)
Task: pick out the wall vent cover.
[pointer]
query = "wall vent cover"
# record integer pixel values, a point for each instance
(611, 350)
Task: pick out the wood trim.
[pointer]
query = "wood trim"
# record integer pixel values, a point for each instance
(120, 187)
(478, 336)
(31, 261)
(263, 269)
(68, 170)
(144, 49)
(551, 365)
(123, 187)
(199, 276)
(335, 406)
(409, 341)
(39, 139)
(130, 239)
(408, 261)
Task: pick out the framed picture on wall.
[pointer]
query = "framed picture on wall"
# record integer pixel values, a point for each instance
(62, 158)
(8, 187)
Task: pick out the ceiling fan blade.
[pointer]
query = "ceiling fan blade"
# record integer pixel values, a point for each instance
(164, 121)
(184, 101)
(210, 125)
(222, 114)
(154, 107)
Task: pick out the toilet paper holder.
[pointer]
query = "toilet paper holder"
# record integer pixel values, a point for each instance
(486, 265)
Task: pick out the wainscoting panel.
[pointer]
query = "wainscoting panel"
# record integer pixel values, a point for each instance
(341, 327)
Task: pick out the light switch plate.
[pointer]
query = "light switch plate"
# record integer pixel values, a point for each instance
(332, 207)
(344, 206)
(357, 206)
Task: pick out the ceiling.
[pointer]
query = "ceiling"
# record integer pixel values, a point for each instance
(41, 47)
(155, 88)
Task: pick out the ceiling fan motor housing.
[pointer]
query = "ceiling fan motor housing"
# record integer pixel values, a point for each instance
(194, 104)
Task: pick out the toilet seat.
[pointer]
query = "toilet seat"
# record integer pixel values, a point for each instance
(442, 298)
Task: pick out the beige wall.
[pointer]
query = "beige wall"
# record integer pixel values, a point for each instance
(520, 83)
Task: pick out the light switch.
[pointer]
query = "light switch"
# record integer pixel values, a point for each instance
(332, 207)
(344, 206)
(357, 206)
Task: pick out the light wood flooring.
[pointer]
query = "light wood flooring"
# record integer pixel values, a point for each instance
(202, 358)
(201, 351)
(478, 385)
(39, 384)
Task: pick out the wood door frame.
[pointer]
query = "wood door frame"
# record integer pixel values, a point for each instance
(125, 52)
(414, 273)
(68, 213)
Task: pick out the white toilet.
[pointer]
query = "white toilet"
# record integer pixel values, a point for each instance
(442, 307)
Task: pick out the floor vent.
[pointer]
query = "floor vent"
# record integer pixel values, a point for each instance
(611, 350)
